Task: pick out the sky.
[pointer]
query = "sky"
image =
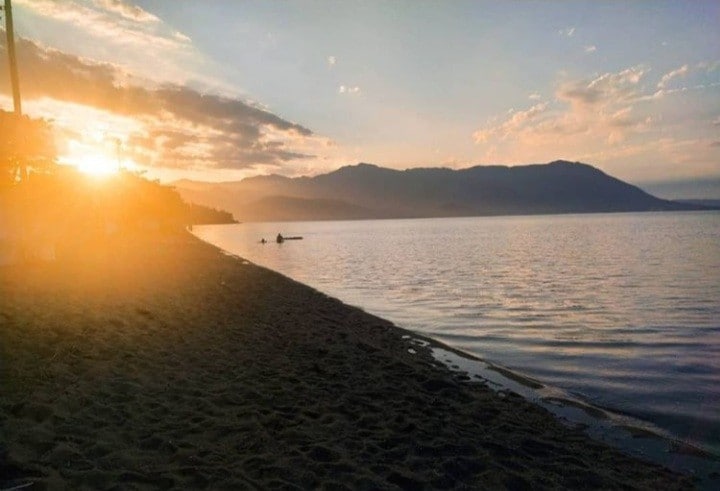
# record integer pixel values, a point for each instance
(221, 90)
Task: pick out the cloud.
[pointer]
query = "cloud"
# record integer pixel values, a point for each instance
(331, 60)
(567, 32)
(614, 116)
(112, 20)
(534, 96)
(680, 72)
(122, 8)
(609, 87)
(700, 76)
(344, 89)
(181, 37)
(181, 127)
(709, 66)
(517, 122)
(590, 49)
(118, 31)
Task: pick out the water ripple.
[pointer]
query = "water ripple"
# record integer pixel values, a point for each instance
(622, 309)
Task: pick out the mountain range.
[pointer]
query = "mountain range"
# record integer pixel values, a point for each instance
(365, 191)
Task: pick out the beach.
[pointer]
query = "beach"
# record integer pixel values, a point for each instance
(159, 362)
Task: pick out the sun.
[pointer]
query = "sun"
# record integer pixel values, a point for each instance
(96, 154)
(97, 165)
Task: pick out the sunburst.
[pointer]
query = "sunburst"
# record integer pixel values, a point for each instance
(97, 165)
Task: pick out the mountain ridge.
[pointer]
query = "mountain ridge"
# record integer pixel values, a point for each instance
(368, 191)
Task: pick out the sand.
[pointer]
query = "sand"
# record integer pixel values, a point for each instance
(162, 363)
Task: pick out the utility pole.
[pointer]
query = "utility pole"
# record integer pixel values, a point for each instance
(14, 81)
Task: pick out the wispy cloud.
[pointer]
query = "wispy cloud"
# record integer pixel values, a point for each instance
(709, 66)
(534, 96)
(680, 72)
(331, 60)
(345, 89)
(567, 32)
(519, 121)
(700, 76)
(590, 49)
(119, 31)
(181, 37)
(113, 20)
(126, 10)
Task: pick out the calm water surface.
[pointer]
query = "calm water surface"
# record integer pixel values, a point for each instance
(622, 310)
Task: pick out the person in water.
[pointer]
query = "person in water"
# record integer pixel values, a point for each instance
(263, 241)
(280, 239)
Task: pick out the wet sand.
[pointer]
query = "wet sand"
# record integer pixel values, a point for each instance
(163, 363)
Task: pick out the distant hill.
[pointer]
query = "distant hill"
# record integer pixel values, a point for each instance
(369, 191)
(203, 215)
(710, 203)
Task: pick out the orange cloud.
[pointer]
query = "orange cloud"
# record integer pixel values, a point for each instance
(609, 116)
(600, 109)
(519, 121)
(179, 127)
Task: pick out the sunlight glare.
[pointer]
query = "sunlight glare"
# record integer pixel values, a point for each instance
(96, 155)
(97, 165)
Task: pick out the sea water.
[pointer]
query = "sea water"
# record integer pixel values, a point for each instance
(620, 310)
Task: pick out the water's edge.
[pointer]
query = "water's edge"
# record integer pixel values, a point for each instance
(635, 437)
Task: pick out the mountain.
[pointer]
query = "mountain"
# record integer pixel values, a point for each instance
(369, 191)
(708, 203)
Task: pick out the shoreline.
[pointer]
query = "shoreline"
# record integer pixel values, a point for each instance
(170, 364)
(649, 360)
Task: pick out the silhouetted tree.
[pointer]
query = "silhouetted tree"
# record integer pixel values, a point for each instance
(25, 143)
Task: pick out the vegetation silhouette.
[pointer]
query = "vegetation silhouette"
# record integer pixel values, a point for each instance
(26, 143)
(55, 211)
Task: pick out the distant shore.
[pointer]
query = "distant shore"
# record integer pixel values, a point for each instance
(164, 363)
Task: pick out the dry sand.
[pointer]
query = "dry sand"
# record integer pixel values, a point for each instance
(165, 364)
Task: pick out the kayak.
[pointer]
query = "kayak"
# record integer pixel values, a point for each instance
(281, 239)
